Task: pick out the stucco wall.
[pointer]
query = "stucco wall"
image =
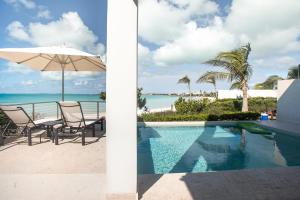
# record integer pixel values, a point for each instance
(232, 94)
(288, 107)
(121, 84)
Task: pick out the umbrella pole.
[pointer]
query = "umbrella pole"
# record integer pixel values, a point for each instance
(63, 83)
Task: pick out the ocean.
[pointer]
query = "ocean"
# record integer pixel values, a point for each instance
(153, 101)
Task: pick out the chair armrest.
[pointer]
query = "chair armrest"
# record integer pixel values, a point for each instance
(58, 126)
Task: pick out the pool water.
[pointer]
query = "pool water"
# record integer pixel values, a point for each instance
(212, 148)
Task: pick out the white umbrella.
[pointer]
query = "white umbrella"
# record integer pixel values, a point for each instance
(54, 59)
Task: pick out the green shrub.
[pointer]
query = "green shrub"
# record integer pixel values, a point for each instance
(260, 104)
(173, 116)
(257, 104)
(190, 106)
(223, 106)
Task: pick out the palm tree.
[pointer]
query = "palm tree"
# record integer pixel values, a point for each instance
(211, 77)
(239, 70)
(186, 80)
(269, 84)
(294, 72)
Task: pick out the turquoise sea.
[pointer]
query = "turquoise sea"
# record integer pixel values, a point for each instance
(153, 101)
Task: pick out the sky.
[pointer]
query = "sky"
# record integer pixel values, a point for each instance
(175, 38)
(31, 23)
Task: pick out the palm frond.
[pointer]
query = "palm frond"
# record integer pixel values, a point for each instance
(212, 76)
(236, 85)
(269, 83)
(185, 80)
(293, 72)
(259, 86)
(235, 62)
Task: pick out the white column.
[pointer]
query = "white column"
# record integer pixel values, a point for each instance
(121, 85)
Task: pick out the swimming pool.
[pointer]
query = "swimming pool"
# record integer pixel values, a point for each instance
(212, 148)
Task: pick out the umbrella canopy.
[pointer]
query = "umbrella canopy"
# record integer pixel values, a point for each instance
(54, 59)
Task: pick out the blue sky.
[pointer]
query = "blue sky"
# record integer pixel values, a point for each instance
(20, 19)
(175, 38)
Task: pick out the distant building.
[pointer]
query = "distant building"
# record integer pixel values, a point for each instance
(232, 94)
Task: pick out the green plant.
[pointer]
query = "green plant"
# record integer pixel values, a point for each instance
(173, 116)
(238, 68)
(141, 102)
(223, 105)
(186, 80)
(260, 104)
(190, 106)
(211, 77)
(269, 84)
(294, 72)
(256, 104)
(103, 96)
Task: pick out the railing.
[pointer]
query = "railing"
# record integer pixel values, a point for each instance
(50, 109)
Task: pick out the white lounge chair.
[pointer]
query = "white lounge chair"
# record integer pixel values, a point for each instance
(73, 118)
(24, 124)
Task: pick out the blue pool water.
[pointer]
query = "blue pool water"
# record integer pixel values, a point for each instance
(212, 148)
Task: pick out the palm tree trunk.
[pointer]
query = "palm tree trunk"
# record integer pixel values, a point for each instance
(190, 91)
(245, 96)
(216, 91)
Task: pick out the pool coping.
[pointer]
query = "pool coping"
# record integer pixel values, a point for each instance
(288, 131)
(209, 123)
(189, 123)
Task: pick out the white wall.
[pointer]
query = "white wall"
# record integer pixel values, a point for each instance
(288, 107)
(229, 94)
(121, 84)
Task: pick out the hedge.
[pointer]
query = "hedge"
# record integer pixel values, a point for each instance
(256, 104)
(173, 116)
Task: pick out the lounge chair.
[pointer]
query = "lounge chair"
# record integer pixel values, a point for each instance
(25, 126)
(73, 119)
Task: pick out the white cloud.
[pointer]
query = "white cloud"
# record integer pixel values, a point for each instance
(44, 13)
(272, 26)
(145, 56)
(196, 45)
(164, 21)
(283, 62)
(28, 4)
(17, 30)
(81, 82)
(16, 68)
(69, 30)
(69, 75)
(184, 39)
(28, 83)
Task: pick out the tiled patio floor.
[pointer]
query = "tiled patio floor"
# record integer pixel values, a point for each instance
(48, 172)
(255, 184)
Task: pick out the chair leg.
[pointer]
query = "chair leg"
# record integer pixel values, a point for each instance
(56, 137)
(40, 138)
(102, 125)
(94, 130)
(52, 135)
(29, 137)
(1, 140)
(83, 137)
